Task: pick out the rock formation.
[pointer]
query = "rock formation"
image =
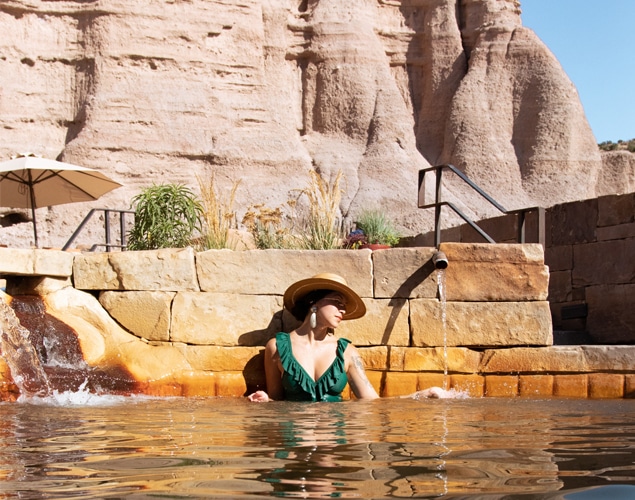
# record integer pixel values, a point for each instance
(263, 91)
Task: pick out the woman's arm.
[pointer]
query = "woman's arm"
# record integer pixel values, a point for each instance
(273, 376)
(357, 379)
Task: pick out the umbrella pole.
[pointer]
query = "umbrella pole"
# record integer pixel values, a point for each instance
(34, 226)
(32, 195)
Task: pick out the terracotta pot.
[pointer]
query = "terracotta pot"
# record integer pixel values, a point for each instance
(375, 246)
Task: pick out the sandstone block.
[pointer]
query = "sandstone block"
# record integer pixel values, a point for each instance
(620, 232)
(606, 385)
(570, 386)
(606, 358)
(611, 317)
(479, 324)
(376, 378)
(454, 359)
(224, 319)
(231, 385)
(161, 389)
(534, 360)
(427, 380)
(170, 269)
(559, 258)
(145, 313)
(35, 262)
(385, 323)
(405, 273)
(501, 386)
(377, 358)
(616, 210)
(270, 272)
(527, 253)
(52, 263)
(473, 385)
(483, 272)
(221, 359)
(501, 229)
(560, 286)
(573, 223)
(604, 263)
(629, 385)
(535, 385)
(399, 384)
(199, 384)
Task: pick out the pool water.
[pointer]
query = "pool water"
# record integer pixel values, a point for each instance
(487, 448)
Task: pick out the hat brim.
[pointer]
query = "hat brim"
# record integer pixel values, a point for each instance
(355, 307)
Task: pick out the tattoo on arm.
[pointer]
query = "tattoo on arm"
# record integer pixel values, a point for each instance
(359, 365)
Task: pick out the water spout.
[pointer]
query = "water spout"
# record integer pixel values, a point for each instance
(439, 260)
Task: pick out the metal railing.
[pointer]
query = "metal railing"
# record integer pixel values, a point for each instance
(108, 244)
(438, 204)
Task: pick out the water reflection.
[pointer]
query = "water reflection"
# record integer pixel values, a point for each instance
(226, 448)
(311, 441)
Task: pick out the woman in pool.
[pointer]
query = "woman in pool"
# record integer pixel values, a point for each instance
(310, 364)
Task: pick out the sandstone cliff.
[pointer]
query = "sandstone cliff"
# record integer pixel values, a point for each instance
(265, 90)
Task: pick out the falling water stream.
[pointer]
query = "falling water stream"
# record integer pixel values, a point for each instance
(21, 356)
(442, 300)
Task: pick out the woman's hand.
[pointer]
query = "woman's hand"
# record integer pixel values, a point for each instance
(259, 397)
(432, 393)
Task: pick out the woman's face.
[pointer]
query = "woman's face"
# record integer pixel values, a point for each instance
(332, 308)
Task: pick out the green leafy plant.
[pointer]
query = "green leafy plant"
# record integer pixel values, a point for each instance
(166, 216)
(377, 228)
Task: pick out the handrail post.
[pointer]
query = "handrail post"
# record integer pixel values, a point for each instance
(437, 207)
(109, 243)
(521, 226)
(542, 237)
(107, 228)
(122, 229)
(79, 229)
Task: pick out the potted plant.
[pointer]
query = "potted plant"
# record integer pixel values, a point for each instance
(378, 230)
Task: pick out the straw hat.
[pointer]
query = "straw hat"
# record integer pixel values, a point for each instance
(355, 307)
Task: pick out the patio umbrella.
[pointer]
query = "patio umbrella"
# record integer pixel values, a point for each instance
(33, 182)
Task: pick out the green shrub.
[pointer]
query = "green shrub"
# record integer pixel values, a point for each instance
(166, 216)
(378, 228)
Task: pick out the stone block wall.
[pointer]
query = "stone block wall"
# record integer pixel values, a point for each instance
(182, 323)
(590, 252)
(494, 296)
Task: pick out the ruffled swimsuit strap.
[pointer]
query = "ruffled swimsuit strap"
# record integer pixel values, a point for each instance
(291, 367)
(333, 376)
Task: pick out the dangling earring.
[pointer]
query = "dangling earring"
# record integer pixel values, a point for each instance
(313, 318)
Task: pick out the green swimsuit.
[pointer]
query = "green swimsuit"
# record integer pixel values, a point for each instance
(299, 385)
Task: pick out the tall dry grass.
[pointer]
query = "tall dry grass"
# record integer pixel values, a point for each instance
(218, 215)
(323, 225)
(267, 227)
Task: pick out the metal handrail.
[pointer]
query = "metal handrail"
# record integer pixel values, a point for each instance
(108, 244)
(438, 204)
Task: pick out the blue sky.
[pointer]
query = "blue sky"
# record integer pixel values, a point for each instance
(594, 41)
